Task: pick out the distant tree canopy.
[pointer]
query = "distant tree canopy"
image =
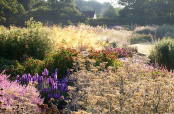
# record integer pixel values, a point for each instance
(148, 11)
(55, 11)
(52, 11)
(93, 5)
(10, 12)
(142, 12)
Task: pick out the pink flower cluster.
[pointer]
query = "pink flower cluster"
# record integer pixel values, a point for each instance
(17, 98)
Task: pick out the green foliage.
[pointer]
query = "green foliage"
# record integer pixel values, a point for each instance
(31, 24)
(11, 12)
(19, 44)
(69, 22)
(103, 21)
(147, 11)
(139, 38)
(62, 60)
(33, 66)
(163, 53)
(12, 67)
(164, 31)
(110, 12)
(146, 30)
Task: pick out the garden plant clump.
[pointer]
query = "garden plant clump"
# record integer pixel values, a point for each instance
(163, 53)
(49, 86)
(134, 87)
(83, 69)
(15, 98)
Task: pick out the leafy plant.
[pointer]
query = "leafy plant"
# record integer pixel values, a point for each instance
(49, 86)
(62, 60)
(163, 53)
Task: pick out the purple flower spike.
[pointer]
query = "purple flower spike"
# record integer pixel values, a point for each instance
(23, 77)
(48, 80)
(56, 96)
(49, 96)
(59, 85)
(48, 90)
(43, 74)
(45, 88)
(55, 88)
(68, 72)
(37, 75)
(41, 78)
(66, 90)
(46, 72)
(29, 77)
(42, 91)
(53, 75)
(17, 77)
(63, 106)
(65, 99)
(57, 81)
(56, 71)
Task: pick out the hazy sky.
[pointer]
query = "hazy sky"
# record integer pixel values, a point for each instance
(101, 1)
(111, 1)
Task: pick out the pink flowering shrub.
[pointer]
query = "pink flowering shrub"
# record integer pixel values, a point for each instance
(15, 98)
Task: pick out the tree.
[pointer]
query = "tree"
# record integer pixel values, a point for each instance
(27, 4)
(11, 12)
(110, 12)
(54, 11)
(158, 11)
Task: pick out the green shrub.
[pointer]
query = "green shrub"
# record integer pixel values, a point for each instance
(140, 38)
(146, 30)
(163, 53)
(62, 60)
(20, 43)
(164, 30)
(33, 66)
(12, 67)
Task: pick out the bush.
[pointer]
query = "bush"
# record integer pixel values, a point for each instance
(12, 67)
(20, 43)
(146, 30)
(164, 30)
(163, 53)
(62, 60)
(33, 66)
(49, 86)
(140, 38)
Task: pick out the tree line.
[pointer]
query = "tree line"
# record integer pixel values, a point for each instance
(16, 12)
(142, 12)
(147, 11)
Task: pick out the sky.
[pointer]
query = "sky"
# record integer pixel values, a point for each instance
(111, 1)
(101, 1)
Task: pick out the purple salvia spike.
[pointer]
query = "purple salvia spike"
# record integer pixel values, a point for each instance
(49, 96)
(43, 74)
(29, 76)
(17, 77)
(68, 72)
(41, 78)
(53, 75)
(56, 71)
(48, 80)
(46, 72)
(37, 76)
